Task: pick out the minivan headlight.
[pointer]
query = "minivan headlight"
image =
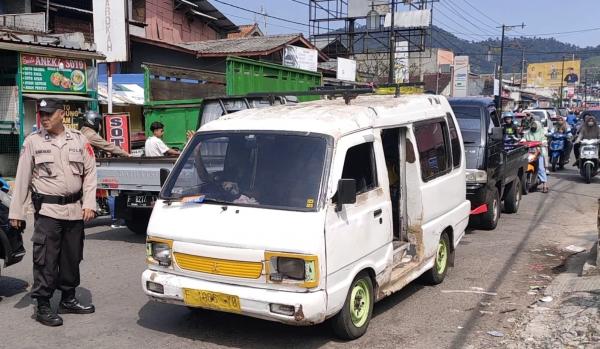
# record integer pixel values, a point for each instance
(291, 268)
(158, 251)
(476, 176)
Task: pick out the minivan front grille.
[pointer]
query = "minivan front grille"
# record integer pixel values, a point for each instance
(215, 266)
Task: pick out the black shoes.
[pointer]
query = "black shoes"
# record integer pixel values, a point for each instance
(46, 316)
(72, 306)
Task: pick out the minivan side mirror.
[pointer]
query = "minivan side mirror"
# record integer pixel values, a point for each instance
(497, 134)
(346, 193)
(164, 173)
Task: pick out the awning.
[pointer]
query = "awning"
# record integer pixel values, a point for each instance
(58, 96)
(46, 49)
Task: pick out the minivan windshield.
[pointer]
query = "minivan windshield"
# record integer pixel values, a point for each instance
(262, 169)
(469, 120)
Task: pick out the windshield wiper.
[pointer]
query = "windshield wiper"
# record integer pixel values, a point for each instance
(468, 142)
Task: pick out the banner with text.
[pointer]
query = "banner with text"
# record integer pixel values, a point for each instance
(116, 130)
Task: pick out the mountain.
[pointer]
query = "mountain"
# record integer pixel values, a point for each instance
(536, 50)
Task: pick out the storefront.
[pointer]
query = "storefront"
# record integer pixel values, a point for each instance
(31, 71)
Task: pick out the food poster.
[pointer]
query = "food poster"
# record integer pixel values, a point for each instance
(52, 74)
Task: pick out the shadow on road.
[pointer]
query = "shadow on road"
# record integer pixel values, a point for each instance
(10, 286)
(541, 211)
(229, 330)
(120, 234)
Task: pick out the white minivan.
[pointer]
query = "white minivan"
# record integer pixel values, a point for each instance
(302, 213)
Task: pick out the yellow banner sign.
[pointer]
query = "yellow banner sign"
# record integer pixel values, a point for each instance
(550, 74)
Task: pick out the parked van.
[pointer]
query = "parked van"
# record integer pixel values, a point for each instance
(307, 212)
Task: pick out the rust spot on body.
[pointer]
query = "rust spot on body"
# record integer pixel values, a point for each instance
(299, 314)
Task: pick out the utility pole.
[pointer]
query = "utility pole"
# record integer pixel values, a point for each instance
(500, 69)
(391, 68)
(522, 66)
(585, 88)
(562, 76)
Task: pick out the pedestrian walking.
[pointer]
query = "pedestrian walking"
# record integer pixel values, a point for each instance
(58, 170)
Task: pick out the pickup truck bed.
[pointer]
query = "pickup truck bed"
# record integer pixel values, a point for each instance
(135, 182)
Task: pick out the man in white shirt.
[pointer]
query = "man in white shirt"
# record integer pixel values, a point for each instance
(155, 145)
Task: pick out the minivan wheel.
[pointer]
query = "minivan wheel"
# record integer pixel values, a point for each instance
(353, 319)
(437, 274)
(513, 197)
(489, 220)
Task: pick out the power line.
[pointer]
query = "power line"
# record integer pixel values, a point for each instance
(474, 17)
(261, 14)
(481, 12)
(274, 25)
(463, 17)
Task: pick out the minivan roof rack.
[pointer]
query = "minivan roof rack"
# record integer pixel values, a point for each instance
(347, 93)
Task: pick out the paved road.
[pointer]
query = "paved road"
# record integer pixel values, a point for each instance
(519, 253)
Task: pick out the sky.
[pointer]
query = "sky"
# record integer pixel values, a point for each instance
(463, 18)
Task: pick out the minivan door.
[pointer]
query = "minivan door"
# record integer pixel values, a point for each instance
(363, 229)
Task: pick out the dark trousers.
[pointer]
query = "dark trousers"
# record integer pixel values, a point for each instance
(57, 252)
(576, 150)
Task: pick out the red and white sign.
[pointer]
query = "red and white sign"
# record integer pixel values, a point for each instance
(116, 130)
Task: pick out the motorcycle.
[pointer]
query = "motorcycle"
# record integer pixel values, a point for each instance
(11, 240)
(588, 159)
(558, 152)
(531, 179)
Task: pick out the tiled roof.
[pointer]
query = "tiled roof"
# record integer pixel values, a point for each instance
(246, 30)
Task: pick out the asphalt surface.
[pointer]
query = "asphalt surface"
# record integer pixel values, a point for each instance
(523, 250)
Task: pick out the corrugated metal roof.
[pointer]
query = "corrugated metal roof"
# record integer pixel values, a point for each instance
(249, 46)
(241, 45)
(246, 30)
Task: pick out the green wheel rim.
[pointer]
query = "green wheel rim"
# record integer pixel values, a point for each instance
(442, 257)
(360, 303)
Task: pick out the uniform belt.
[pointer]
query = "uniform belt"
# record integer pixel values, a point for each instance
(58, 200)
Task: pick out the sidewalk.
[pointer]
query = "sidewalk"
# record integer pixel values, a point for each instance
(568, 316)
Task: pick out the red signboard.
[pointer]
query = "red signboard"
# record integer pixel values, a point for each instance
(116, 130)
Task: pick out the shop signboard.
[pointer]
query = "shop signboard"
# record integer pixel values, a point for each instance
(111, 32)
(461, 76)
(46, 74)
(116, 130)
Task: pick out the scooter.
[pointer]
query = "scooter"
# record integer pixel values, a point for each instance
(557, 148)
(588, 159)
(11, 240)
(531, 179)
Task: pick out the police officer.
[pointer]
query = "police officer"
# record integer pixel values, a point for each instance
(57, 168)
(90, 126)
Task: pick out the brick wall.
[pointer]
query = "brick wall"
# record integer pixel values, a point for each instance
(173, 26)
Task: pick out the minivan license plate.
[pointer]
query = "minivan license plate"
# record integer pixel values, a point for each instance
(211, 300)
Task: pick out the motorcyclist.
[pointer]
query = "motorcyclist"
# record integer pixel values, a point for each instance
(90, 126)
(536, 133)
(509, 128)
(526, 122)
(589, 130)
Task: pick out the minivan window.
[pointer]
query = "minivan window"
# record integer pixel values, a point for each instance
(455, 142)
(261, 169)
(434, 150)
(469, 120)
(359, 165)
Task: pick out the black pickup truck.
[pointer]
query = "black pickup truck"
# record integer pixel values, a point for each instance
(495, 170)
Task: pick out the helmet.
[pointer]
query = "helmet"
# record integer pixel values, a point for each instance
(508, 114)
(92, 120)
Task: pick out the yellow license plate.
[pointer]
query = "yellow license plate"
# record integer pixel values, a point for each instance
(211, 300)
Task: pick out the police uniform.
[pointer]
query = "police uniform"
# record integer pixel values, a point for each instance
(100, 143)
(58, 172)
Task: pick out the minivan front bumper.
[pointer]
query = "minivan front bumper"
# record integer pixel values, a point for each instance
(310, 307)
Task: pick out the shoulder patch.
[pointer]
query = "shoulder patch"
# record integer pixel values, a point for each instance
(89, 149)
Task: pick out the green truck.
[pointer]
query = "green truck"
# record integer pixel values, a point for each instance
(172, 94)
